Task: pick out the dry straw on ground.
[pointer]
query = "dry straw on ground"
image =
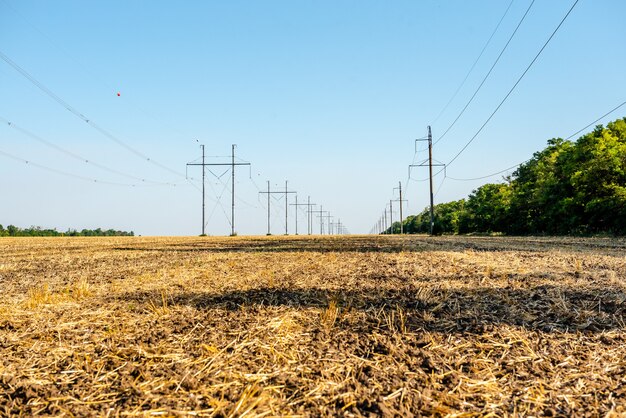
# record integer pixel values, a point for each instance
(353, 326)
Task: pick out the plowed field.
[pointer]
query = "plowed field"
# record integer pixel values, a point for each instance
(349, 326)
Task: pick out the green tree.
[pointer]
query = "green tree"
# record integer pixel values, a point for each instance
(567, 188)
(486, 209)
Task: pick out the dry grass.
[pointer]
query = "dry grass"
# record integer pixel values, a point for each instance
(446, 326)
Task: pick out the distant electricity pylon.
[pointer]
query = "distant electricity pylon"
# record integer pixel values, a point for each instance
(385, 219)
(308, 205)
(320, 212)
(309, 214)
(286, 192)
(232, 165)
(328, 219)
(430, 169)
(400, 201)
(390, 216)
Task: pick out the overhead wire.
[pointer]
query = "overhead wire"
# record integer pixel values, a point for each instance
(82, 159)
(81, 116)
(600, 118)
(474, 64)
(509, 92)
(246, 203)
(516, 83)
(87, 70)
(489, 175)
(63, 173)
(77, 156)
(488, 73)
(440, 185)
(524, 162)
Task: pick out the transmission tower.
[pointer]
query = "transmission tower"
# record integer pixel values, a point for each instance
(308, 205)
(232, 165)
(269, 192)
(328, 218)
(320, 214)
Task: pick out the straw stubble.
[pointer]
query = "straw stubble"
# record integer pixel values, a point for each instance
(312, 326)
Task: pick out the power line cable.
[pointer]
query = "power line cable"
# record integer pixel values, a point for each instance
(488, 73)
(474, 64)
(77, 156)
(246, 203)
(63, 173)
(81, 116)
(515, 85)
(601, 117)
(86, 69)
(199, 189)
(489, 175)
(524, 162)
(440, 185)
(255, 184)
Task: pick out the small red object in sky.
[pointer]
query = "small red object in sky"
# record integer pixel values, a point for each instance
(118, 94)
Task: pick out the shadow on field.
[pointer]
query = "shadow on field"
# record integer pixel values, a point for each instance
(543, 308)
(382, 244)
(278, 245)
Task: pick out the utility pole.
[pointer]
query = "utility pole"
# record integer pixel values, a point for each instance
(385, 223)
(269, 192)
(320, 212)
(310, 214)
(203, 176)
(268, 208)
(430, 169)
(308, 205)
(400, 200)
(328, 218)
(390, 216)
(296, 206)
(203, 200)
(286, 210)
(232, 165)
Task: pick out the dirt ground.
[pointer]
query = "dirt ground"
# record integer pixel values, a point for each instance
(300, 326)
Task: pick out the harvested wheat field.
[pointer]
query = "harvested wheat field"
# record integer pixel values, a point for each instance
(299, 326)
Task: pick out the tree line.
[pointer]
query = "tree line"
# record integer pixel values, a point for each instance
(570, 187)
(35, 231)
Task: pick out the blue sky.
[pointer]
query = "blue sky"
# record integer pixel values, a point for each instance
(329, 95)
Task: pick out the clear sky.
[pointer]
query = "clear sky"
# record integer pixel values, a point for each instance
(329, 95)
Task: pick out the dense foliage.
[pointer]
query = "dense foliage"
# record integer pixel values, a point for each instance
(568, 188)
(35, 231)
